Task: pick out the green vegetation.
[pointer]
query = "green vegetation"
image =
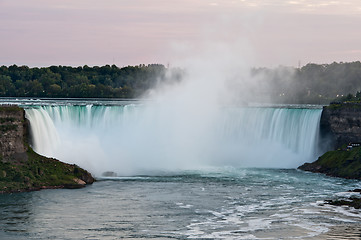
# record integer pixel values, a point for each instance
(8, 127)
(21, 169)
(7, 119)
(349, 98)
(9, 109)
(313, 83)
(80, 82)
(38, 172)
(352, 104)
(340, 163)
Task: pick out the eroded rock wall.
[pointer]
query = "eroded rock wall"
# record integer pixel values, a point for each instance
(13, 132)
(341, 123)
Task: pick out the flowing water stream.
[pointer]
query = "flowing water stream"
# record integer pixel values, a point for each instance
(221, 173)
(138, 139)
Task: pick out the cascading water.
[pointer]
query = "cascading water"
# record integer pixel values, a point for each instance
(142, 139)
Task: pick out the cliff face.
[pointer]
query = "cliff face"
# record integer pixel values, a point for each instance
(13, 132)
(341, 123)
(22, 169)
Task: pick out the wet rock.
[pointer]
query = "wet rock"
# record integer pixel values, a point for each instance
(342, 123)
(351, 202)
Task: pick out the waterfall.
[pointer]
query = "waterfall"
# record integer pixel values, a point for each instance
(138, 139)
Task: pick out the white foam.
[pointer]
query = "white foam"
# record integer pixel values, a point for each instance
(257, 224)
(350, 213)
(344, 220)
(309, 211)
(103, 138)
(347, 194)
(123, 178)
(313, 229)
(182, 205)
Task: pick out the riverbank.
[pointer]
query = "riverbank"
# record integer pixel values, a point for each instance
(22, 169)
(40, 172)
(340, 128)
(340, 124)
(344, 163)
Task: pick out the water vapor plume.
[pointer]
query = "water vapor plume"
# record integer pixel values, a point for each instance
(199, 121)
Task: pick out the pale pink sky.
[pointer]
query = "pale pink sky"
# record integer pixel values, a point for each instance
(132, 32)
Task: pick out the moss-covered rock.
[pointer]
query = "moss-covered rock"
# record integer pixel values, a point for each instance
(340, 163)
(21, 169)
(40, 172)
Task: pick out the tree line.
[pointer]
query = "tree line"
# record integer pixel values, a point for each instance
(79, 82)
(312, 83)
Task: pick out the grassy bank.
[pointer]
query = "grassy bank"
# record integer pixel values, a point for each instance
(21, 169)
(40, 172)
(345, 163)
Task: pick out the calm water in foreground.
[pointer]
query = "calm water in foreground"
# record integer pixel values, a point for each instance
(217, 204)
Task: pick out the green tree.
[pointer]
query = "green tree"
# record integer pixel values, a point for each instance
(7, 87)
(54, 90)
(35, 89)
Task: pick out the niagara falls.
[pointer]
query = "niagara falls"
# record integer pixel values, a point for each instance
(180, 120)
(138, 139)
(168, 172)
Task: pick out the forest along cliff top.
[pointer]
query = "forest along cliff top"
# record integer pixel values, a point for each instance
(21, 169)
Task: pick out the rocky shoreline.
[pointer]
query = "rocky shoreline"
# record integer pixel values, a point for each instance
(344, 163)
(339, 163)
(341, 124)
(340, 130)
(22, 169)
(39, 173)
(353, 201)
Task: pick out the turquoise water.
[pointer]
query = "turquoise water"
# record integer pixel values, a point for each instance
(135, 139)
(218, 204)
(183, 173)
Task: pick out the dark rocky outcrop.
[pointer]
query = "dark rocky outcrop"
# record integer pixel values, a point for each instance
(345, 163)
(341, 122)
(21, 169)
(13, 133)
(353, 201)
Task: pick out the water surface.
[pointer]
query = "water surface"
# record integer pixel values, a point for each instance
(217, 204)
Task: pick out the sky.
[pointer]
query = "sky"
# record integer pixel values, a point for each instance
(265, 33)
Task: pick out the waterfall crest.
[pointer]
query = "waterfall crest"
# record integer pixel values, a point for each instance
(138, 139)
